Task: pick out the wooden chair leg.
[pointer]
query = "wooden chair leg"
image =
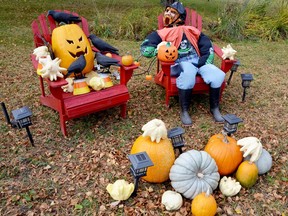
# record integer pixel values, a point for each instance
(63, 125)
(123, 110)
(167, 100)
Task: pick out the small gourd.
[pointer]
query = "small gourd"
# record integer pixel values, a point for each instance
(226, 153)
(229, 187)
(247, 174)
(264, 163)
(159, 149)
(127, 60)
(194, 172)
(171, 200)
(120, 190)
(204, 204)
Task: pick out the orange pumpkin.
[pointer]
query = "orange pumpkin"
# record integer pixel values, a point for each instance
(161, 154)
(247, 174)
(225, 152)
(68, 43)
(204, 204)
(137, 63)
(127, 60)
(167, 53)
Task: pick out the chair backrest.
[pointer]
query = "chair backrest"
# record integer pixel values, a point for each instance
(43, 26)
(192, 19)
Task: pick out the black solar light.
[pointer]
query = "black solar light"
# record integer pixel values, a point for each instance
(233, 70)
(175, 134)
(140, 162)
(246, 80)
(22, 119)
(231, 123)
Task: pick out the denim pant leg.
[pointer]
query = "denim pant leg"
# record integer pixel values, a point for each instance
(212, 75)
(186, 79)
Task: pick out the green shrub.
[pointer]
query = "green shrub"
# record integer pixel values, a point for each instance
(253, 20)
(133, 24)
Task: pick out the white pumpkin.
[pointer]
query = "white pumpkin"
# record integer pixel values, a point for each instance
(229, 186)
(171, 200)
(251, 146)
(194, 172)
(264, 163)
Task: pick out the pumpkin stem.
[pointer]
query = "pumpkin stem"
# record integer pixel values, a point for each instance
(225, 140)
(168, 44)
(200, 175)
(207, 194)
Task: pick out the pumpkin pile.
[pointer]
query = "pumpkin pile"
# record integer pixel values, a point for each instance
(196, 174)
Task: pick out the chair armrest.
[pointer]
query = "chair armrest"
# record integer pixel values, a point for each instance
(57, 83)
(126, 72)
(226, 64)
(166, 67)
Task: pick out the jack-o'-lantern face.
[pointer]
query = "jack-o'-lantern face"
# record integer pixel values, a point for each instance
(167, 53)
(68, 43)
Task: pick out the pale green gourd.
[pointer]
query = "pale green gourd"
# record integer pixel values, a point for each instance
(264, 163)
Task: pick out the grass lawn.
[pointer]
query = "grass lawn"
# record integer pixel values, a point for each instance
(68, 176)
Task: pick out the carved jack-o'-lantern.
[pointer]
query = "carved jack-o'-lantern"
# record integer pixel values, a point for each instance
(68, 43)
(167, 53)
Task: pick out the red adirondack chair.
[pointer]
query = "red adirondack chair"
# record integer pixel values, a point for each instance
(71, 106)
(163, 77)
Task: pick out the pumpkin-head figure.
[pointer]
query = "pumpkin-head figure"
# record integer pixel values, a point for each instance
(167, 53)
(68, 43)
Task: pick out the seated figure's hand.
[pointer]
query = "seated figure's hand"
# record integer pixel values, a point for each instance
(148, 51)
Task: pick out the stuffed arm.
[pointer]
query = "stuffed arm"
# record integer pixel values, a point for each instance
(206, 50)
(149, 45)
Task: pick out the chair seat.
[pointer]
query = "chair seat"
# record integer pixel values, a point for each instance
(80, 105)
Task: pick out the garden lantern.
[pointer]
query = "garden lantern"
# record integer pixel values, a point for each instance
(140, 162)
(22, 119)
(231, 123)
(175, 134)
(233, 69)
(246, 80)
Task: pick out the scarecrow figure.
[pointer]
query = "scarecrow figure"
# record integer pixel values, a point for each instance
(195, 56)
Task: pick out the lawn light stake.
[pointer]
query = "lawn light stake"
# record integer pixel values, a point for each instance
(231, 123)
(246, 80)
(233, 70)
(22, 119)
(140, 162)
(175, 134)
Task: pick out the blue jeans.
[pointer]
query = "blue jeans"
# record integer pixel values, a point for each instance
(187, 72)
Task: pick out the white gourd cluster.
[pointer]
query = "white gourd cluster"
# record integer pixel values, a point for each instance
(251, 146)
(155, 129)
(229, 186)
